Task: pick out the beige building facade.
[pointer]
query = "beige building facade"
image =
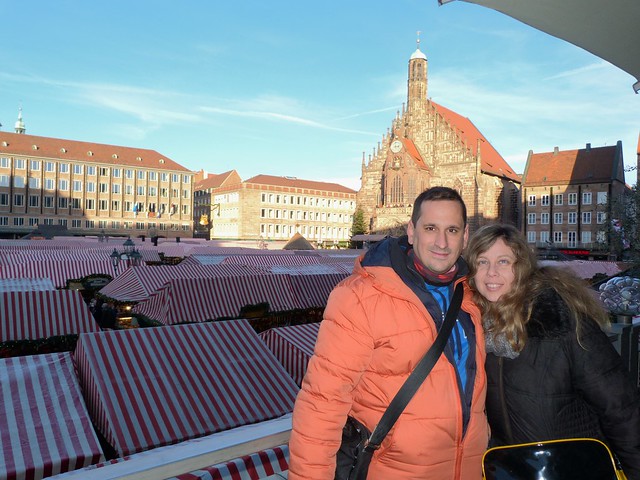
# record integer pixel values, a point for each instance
(265, 208)
(428, 145)
(91, 189)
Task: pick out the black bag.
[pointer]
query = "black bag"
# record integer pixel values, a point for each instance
(358, 445)
(352, 461)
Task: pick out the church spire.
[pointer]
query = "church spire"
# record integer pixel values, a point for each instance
(417, 81)
(19, 127)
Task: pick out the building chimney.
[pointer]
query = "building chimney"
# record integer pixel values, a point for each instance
(555, 150)
(588, 147)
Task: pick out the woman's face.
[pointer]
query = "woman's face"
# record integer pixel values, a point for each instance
(494, 271)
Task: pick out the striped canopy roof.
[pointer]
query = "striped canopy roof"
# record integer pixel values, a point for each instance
(157, 386)
(46, 429)
(40, 314)
(293, 347)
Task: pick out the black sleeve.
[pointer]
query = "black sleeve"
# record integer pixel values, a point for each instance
(598, 373)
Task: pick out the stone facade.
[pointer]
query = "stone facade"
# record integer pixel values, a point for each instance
(429, 145)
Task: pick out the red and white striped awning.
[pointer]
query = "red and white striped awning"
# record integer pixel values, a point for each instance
(200, 299)
(272, 259)
(258, 465)
(138, 283)
(26, 284)
(293, 347)
(149, 387)
(30, 315)
(45, 428)
(313, 291)
(59, 271)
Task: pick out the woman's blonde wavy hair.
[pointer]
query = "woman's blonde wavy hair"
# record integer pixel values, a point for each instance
(510, 315)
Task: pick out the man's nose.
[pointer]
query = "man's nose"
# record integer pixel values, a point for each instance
(441, 240)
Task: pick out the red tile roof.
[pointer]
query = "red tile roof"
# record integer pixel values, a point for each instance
(216, 181)
(297, 183)
(73, 150)
(492, 161)
(412, 150)
(592, 165)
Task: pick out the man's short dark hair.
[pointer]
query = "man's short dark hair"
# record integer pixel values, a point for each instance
(434, 194)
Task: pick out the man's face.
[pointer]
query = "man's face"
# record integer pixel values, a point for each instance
(439, 235)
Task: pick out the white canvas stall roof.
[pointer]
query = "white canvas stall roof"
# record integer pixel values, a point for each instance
(138, 283)
(46, 429)
(200, 299)
(608, 29)
(32, 315)
(293, 347)
(157, 386)
(26, 284)
(586, 269)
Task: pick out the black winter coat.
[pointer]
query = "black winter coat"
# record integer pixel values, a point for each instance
(557, 388)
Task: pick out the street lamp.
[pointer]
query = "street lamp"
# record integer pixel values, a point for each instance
(129, 254)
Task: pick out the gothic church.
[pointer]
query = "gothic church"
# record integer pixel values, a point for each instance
(430, 145)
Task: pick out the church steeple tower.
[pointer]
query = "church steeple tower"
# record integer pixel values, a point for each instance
(417, 82)
(19, 127)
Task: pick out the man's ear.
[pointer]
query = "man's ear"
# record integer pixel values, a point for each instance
(466, 235)
(410, 232)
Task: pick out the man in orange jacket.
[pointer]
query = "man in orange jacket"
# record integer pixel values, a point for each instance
(377, 326)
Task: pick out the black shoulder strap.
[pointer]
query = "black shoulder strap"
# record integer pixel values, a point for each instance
(411, 385)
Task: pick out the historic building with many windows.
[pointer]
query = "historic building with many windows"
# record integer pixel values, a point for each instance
(569, 199)
(90, 188)
(429, 145)
(267, 207)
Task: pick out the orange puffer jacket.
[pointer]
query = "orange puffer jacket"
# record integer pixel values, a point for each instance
(374, 332)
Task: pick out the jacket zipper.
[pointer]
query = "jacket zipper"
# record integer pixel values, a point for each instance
(503, 401)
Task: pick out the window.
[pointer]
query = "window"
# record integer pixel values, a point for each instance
(18, 222)
(35, 165)
(91, 187)
(4, 180)
(48, 221)
(128, 174)
(153, 191)
(185, 179)
(115, 173)
(586, 198)
(571, 239)
(164, 176)
(586, 217)
(91, 170)
(104, 187)
(140, 190)
(103, 204)
(47, 202)
(141, 175)
(89, 224)
(49, 167)
(531, 219)
(33, 221)
(558, 198)
(544, 237)
(20, 163)
(104, 171)
(115, 188)
(115, 205)
(63, 167)
(4, 221)
(153, 176)
(544, 218)
(602, 198)
(4, 199)
(557, 237)
(18, 200)
(601, 237)
(77, 169)
(90, 204)
(76, 223)
(77, 186)
(557, 218)
(18, 182)
(531, 237)
(34, 201)
(174, 178)
(573, 199)
(4, 162)
(586, 237)
(63, 185)
(63, 202)
(572, 218)
(76, 203)
(34, 182)
(544, 200)
(601, 217)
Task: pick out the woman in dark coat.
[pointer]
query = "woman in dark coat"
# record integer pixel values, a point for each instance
(552, 372)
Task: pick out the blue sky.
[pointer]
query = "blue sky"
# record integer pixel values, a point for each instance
(298, 88)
